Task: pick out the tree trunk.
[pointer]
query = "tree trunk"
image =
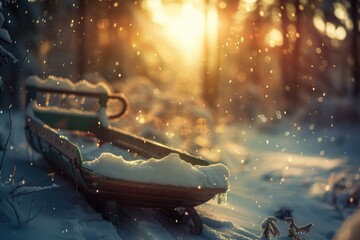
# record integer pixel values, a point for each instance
(355, 48)
(288, 62)
(81, 38)
(211, 64)
(297, 54)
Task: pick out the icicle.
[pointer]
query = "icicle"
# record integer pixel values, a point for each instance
(221, 198)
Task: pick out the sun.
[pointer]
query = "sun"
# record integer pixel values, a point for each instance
(183, 23)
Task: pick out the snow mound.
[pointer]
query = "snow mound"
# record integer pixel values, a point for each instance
(170, 170)
(55, 109)
(65, 84)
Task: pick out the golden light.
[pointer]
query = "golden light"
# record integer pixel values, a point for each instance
(212, 23)
(103, 23)
(334, 32)
(182, 23)
(328, 28)
(103, 35)
(274, 38)
(340, 11)
(319, 23)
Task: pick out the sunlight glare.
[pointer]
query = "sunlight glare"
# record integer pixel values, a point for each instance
(274, 38)
(341, 13)
(329, 28)
(183, 24)
(340, 33)
(334, 32)
(319, 23)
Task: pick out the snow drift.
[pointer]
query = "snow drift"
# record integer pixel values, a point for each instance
(170, 170)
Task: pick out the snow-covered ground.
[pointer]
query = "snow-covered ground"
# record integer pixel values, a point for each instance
(286, 168)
